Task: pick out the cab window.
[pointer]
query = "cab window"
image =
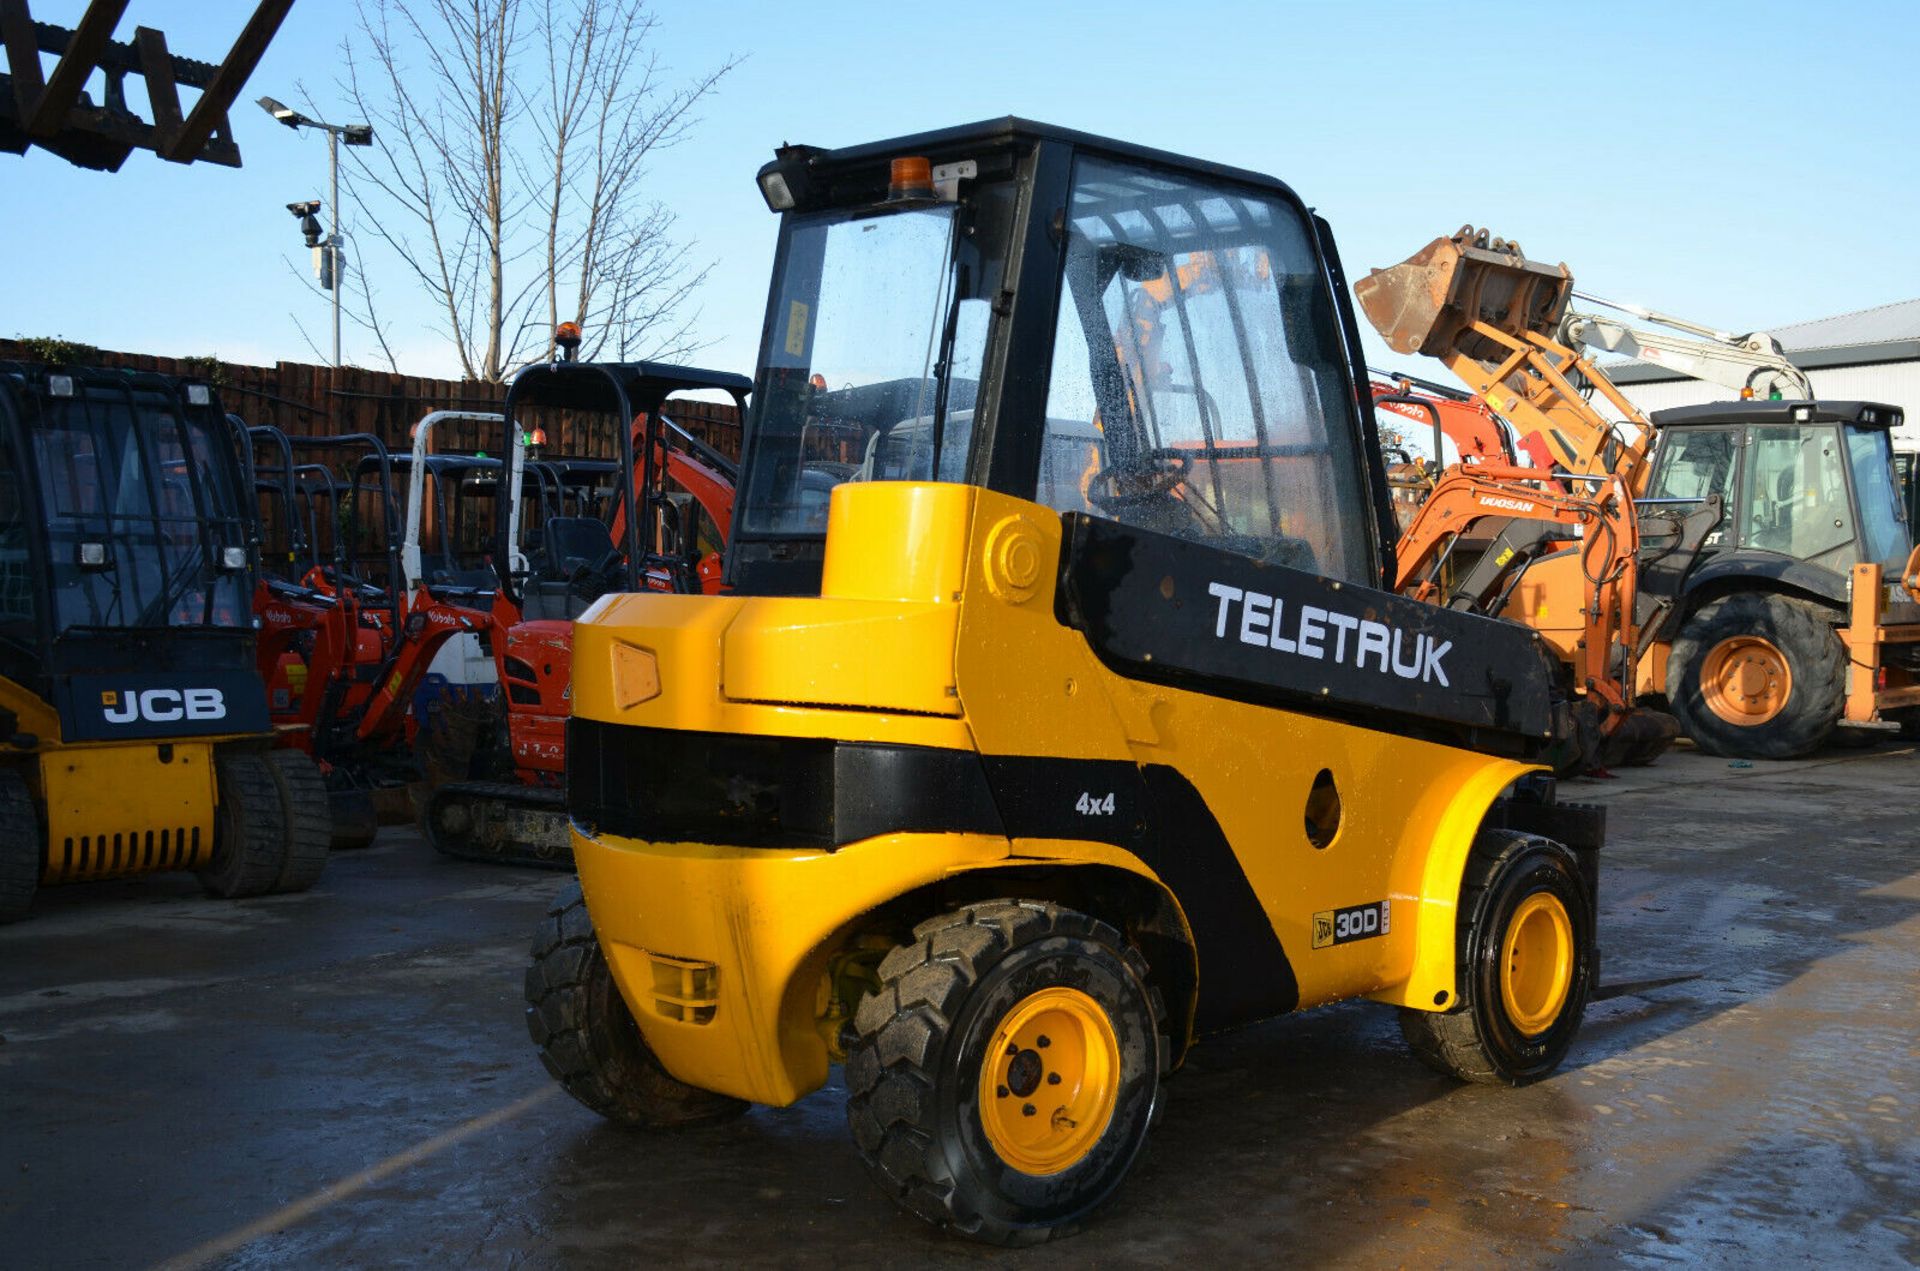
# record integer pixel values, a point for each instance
(1885, 534)
(1198, 387)
(1796, 492)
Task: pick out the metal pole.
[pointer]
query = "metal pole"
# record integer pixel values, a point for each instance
(333, 241)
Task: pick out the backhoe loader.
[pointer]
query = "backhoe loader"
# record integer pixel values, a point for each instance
(134, 734)
(1796, 618)
(1059, 712)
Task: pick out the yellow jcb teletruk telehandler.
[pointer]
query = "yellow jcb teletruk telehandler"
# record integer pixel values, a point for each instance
(133, 724)
(1058, 713)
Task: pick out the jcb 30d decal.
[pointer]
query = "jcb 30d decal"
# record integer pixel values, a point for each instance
(1355, 922)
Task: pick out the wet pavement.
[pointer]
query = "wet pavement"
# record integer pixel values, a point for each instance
(343, 1079)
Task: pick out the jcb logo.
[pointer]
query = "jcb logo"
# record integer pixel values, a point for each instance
(163, 705)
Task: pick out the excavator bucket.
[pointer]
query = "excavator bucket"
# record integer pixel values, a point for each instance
(1429, 302)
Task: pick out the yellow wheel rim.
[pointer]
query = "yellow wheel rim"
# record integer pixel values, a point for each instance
(1050, 1081)
(1745, 680)
(1536, 963)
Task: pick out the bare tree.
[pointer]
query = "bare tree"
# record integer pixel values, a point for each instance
(511, 145)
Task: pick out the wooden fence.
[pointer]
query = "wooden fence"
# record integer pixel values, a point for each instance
(311, 401)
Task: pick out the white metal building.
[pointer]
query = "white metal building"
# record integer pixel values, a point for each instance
(1872, 356)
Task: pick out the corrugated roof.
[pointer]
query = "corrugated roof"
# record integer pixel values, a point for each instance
(1882, 324)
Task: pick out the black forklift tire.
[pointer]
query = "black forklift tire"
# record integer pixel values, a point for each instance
(19, 847)
(1797, 633)
(249, 828)
(1521, 993)
(949, 1029)
(303, 798)
(588, 1039)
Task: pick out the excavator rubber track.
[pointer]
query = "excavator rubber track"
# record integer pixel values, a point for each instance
(500, 823)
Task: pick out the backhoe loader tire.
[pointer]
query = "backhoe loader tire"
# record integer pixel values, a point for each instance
(1525, 960)
(587, 1037)
(19, 847)
(1798, 632)
(303, 795)
(964, 1108)
(249, 828)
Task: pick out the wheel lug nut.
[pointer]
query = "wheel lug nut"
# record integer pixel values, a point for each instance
(1012, 1049)
(1042, 1042)
(1026, 1109)
(1001, 1091)
(1053, 1078)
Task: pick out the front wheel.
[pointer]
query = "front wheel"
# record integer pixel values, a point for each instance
(249, 828)
(1004, 1077)
(1758, 676)
(1526, 958)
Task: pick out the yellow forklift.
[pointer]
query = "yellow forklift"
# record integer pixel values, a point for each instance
(133, 723)
(1059, 712)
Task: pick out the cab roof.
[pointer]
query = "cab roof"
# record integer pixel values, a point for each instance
(1001, 133)
(1860, 414)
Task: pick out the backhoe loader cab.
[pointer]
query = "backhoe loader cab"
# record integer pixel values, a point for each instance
(1806, 484)
(1785, 627)
(1056, 715)
(133, 725)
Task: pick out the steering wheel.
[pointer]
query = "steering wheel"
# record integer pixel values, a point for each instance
(1130, 487)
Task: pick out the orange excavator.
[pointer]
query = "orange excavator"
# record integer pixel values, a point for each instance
(1782, 622)
(506, 803)
(1473, 544)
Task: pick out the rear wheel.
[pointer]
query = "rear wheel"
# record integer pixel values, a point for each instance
(1005, 1075)
(303, 796)
(1758, 675)
(1525, 955)
(19, 847)
(588, 1039)
(249, 828)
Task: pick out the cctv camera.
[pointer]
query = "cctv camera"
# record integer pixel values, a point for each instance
(308, 215)
(357, 134)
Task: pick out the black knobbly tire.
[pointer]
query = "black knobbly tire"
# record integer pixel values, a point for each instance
(914, 1071)
(249, 828)
(19, 847)
(587, 1037)
(1803, 633)
(1477, 1040)
(309, 818)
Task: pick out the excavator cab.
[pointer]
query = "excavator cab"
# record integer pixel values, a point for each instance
(619, 406)
(1056, 715)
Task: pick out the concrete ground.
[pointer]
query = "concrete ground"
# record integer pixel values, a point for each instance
(343, 1079)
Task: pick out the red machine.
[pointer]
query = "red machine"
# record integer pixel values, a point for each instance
(508, 805)
(342, 654)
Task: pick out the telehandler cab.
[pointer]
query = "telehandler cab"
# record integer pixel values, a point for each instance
(1060, 713)
(134, 734)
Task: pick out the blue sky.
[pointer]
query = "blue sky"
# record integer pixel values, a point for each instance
(1743, 164)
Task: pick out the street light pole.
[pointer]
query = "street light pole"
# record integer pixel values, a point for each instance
(333, 239)
(354, 135)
